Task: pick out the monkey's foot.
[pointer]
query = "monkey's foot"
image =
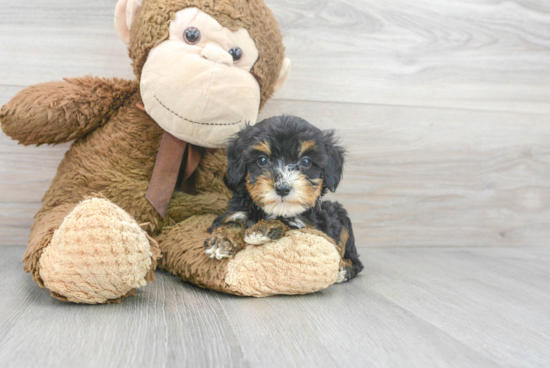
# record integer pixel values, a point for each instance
(301, 262)
(225, 241)
(99, 254)
(265, 231)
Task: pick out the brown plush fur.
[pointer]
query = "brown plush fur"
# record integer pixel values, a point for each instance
(59, 112)
(116, 145)
(183, 254)
(123, 152)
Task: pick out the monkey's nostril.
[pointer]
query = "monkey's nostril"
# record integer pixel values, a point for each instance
(283, 189)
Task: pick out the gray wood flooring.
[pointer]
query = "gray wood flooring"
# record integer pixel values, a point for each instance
(413, 307)
(444, 106)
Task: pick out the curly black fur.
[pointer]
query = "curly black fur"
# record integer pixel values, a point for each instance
(274, 151)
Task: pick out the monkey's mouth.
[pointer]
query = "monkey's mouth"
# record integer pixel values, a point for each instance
(191, 121)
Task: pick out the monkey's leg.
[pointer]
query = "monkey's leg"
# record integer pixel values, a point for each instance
(93, 252)
(301, 262)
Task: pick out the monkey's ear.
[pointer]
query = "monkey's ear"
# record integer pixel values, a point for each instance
(125, 13)
(236, 169)
(283, 75)
(335, 164)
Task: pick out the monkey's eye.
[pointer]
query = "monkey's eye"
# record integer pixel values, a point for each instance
(236, 53)
(305, 162)
(262, 161)
(192, 35)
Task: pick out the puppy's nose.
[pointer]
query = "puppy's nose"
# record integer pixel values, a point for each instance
(283, 189)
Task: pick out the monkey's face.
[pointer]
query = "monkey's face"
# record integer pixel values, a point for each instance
(197, 84)
(205, 67)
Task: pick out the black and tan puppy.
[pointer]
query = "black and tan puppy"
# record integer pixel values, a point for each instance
(279, 170)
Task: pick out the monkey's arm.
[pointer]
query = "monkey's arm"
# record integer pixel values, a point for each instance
(58, 112)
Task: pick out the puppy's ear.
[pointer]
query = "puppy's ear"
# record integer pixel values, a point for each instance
(335, 164)
(236, 169)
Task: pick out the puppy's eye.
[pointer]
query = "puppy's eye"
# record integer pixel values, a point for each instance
(236, 53)
(262, 161)
(192, 35)
(305, 162)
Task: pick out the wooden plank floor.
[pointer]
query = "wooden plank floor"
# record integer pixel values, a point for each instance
(413, 307)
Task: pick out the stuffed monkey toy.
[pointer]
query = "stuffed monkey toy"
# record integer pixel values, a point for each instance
(144, 178)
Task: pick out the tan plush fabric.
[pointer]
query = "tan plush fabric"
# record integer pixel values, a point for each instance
(196, 100)
(298, 263)
(98, 253)
(45, 224)
(125, 12)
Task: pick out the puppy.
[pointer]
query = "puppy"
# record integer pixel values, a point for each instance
(279, 170)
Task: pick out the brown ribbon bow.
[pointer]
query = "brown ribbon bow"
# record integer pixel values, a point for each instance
(172, 154)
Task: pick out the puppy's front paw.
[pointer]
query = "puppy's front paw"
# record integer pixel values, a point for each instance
(265, 231)
(224, 242)
(343, 275)
(220, 248)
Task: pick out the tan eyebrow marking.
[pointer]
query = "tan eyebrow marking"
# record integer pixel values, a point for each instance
(263, 147)
(306, 145)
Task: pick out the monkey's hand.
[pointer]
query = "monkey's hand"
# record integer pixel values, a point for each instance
(265, 231)
(58, 112)
(226, 240)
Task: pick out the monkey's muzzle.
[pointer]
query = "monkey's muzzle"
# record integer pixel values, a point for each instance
(206, 102)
